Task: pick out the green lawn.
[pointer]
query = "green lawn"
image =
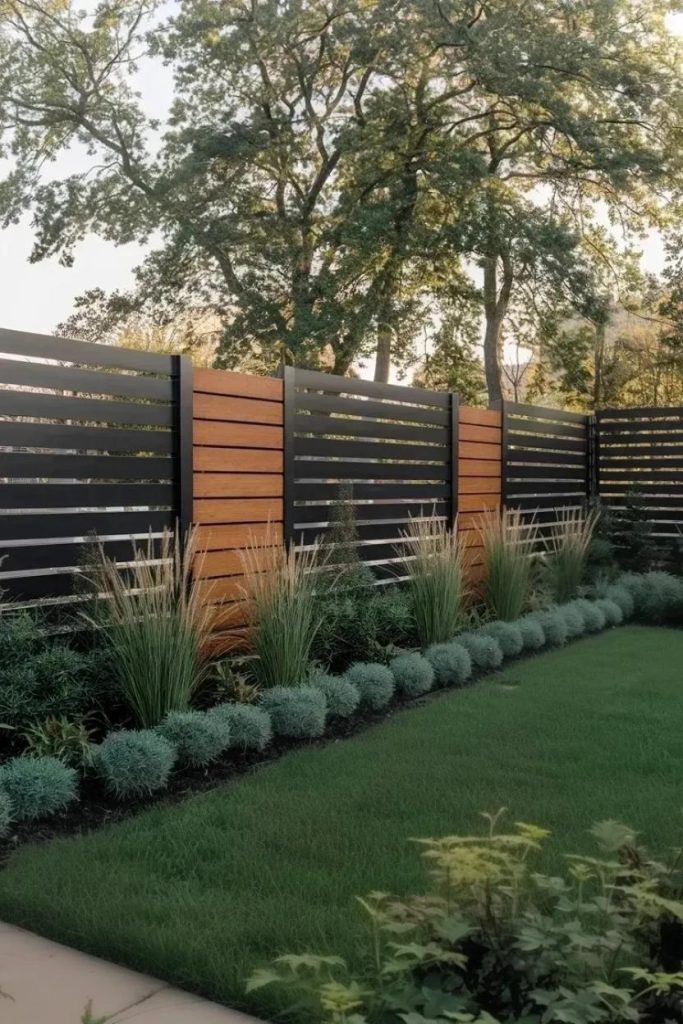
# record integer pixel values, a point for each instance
(199, 893)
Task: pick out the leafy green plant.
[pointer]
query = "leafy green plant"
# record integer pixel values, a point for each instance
(554, 626)
(485, 651)
(493, 939)
(5, 813)
(157, 622)
(250, 726)
(134, 762)
(657, 596)
(620, 595)
(509, 543)
(437, 578)
(573, 618)
(451, 663)
(197, 737)
(412, 674)
(374, 682)
(341, 696)
(613, 613)
(632, 533)
(298, 712)
(37, 786)
(231, 683)
(60, 737)
(593, 616)
(568, 545)
(508, 635)
(533, 636)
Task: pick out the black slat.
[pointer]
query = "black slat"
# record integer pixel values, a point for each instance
(526, 472)
(332, 405)
(338, 426)
(546, 428)
(378, 531)
(525, 442)
(628, 432)
(307, 469)
(545, 459)
(636, 477)
(93, 410)
(533, 503)
(80, 524)
(538, 412)
(640, 412)
(413, 492)
(650, 503)
(355, 386)
(320, 447)
(646, 451)
(83, 495)
(20, 465)
(545, 488)
(29, 588)
(46, 556)
(90, 382)
(609, 464)
(392, 513)
(57, 435)
(46, 346)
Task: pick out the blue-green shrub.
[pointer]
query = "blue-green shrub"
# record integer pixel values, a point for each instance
(451, 663)
(197, 737)
(658, 596)
(298, 712)
(614, 616)
(621, 596)
(37, 786)
(593, 616)
(574, 620)
(508, 635)
(484, 650)
(533, 635)
(374, 682)
(413, 674)
(341, 696)
(134, 762)
(250, 726)
(5, 813)
(554, 626)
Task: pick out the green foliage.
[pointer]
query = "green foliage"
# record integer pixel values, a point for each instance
(413, 674)
(197, 737)
(657, 596)
(231, 684)
(507, 634)
(594, 618)
(451, 663)
(493, 939)
(574, 620)
(554, 626)
(5, 814)
(613, 613)
(437, 578)
(533, 635)
(134, 762)
(374, 682)
(509, 543)
(361, 624)
(484, 650)
(250, 727)
(631, 531)
(297, 712)
(37, 786)
(620, 595)
(341, 696)
(58, 736)
(568, 547)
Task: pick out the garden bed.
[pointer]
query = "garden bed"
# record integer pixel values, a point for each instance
(200, 892)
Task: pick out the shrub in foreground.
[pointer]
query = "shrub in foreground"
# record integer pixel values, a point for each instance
(37, 786)
(554, 626)
(297, 712)
(437, 578)
(533, 636)
(621, 596)
(134, 762)
(341, 696)
(574, 620)
(484, 650)
(451, 663)
(658, 596)
(5, 814)
(250, 727)
(413, 674)
(594, 619)
(198, 738)
(614, 616)
(374, 682)
(508, 635)
(509, 541)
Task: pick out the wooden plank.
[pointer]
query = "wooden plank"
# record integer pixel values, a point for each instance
(237, 435)
(239, 535)
(478, 502)
(232, 460)
(478, 485)
(480, 417)
(230, 563)
(478, 468)
(237, 510)
(226, 588)
(238, 485)
(491, 435)
(478, 450)
(236, 410)
(243, 385)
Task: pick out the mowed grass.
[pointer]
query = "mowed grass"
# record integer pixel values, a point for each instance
(202, 892)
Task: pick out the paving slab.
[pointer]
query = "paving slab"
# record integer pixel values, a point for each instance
(47, 983)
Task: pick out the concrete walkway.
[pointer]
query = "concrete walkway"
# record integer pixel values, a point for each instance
(51, 984)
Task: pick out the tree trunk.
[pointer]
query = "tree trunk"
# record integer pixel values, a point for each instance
(496, 304)
(383, 357)
(492, 358)
(598, 389)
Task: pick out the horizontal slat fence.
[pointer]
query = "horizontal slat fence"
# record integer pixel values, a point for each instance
(90, 448)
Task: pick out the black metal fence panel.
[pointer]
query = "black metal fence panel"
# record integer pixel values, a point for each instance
(387, 450)
(91, 448)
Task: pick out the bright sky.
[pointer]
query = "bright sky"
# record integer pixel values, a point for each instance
(35, 297)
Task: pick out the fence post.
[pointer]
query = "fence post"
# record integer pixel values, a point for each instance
(455, 457)
(288, 412)
(182, 378)
(592, 455)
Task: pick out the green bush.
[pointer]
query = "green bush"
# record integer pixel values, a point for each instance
(437, 578)
(533, 636)
(341, 696)
(298, 712)
(554, 626)
(58, 736)
(134, 762)
(507, 634)
(413, 674)
(621, 596)
(250, 727)
(593, 616)
(658, 596)
(37, 786)
(197, 737)
(5, 814)
(374, 682)
(484, 650)
(614, 616)
(451, 663)
(573, 618)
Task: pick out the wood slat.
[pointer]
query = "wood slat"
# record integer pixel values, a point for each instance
(237, 510)
(228, 409)
(478, 468)
(240, 385)
(241, 535)
(478, 485)
(236, 435)
(237, 460)
(230, 563)
(481, 417)
(478, 450)
(478, 502)
(487, 435)
(238, 485)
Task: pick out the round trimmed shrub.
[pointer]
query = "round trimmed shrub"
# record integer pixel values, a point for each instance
(5, 813)
(554, 626)
(574, 620)
(374, 682)
(508, 635)
(341, 696)
(413, 674)
(533, 636)
(614, 616)
(198, 738)
(594, 618)
(134, 762)
(298, 712)
(660, 597)
(621, 596)
(484, 650)
(250, 727)
(37, 786)
(451, 663)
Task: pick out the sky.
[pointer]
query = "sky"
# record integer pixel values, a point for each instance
(36, 297)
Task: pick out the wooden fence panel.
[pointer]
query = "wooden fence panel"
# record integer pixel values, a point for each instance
(479, 477)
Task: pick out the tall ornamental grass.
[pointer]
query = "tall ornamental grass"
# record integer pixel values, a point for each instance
(508, 542)
(283, 609)
(567, 552)
(154, 615)
(437, 581)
